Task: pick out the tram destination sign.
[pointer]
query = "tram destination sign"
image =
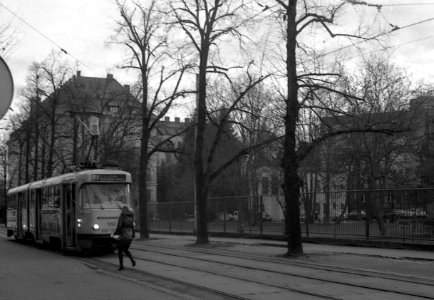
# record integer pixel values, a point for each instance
(109, 177)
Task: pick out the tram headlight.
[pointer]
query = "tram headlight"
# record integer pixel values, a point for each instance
(95, 226)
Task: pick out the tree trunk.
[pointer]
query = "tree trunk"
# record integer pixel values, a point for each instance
(43, 161)
(292, 182)
(75, 141)
(28, 154)
(200, 180)
(36, 163)
(375, 202)
(20, 164)
(50, 162)
(327, 194)
(143, 195)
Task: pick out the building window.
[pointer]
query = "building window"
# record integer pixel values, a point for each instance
(265, 186)
(149, 174)
(113, 109)
(430, 135)
(274, 185)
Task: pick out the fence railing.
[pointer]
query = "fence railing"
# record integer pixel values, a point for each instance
(406, 215)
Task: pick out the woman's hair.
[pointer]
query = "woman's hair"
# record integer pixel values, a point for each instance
(125, 210)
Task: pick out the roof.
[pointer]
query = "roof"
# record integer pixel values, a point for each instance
(65, 178)
(167, 128)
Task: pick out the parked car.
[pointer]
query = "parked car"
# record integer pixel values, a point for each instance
(189, 218)
(407, 213)
(225, 216)
(235, 216)
(356, 216)
(266, 217)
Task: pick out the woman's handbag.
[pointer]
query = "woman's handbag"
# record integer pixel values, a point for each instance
(115, 237)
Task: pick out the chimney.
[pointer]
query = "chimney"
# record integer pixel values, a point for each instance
(78, 74)
(109, 76)
(177, 120)
(127, 87)
(167, 119)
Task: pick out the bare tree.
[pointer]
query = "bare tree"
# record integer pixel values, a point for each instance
(385, 90)
(54, 74)
(142, 32)
(301, 83)
(32, 93)
(255, 122)
(8, 36)
(18, 142)
(206, 25)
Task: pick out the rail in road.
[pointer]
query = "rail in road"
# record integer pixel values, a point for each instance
(208, 272)
(249, 276)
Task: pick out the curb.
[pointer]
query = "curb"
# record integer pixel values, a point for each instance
(385, 244)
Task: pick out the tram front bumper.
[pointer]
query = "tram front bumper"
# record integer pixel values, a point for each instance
(93, 241)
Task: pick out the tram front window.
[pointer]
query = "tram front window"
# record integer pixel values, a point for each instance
(104, 195)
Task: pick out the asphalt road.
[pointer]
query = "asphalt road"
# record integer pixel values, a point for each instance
(28, 272)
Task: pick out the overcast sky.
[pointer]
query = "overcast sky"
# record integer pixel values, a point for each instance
(82, 28)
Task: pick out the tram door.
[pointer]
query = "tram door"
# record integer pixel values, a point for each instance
(69, 215)
(22, 215)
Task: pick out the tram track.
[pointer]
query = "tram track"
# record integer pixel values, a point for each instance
(278, 277)
(290, 262)
(374, 281)
(259, 284)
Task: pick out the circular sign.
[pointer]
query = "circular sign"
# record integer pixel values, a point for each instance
(6, 88)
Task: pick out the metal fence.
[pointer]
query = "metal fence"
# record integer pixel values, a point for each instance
(400, 215)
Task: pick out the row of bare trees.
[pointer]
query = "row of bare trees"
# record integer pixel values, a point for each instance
(259, 61)
(201, 38)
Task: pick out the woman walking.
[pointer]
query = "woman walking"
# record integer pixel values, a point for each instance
(125, 230)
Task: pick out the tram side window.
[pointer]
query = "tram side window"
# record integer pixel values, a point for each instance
(32, 198)
(52, 197)
(12, 202)
(56, 196)
(44, 198)
(21, 198)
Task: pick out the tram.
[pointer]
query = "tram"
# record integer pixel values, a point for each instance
(74, 211)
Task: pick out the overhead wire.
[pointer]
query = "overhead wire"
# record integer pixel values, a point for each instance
(395, 28)
(408, 4)
(391, 47)
(379, 6)
(46, 37)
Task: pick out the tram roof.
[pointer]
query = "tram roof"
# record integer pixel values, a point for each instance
(62, 178)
